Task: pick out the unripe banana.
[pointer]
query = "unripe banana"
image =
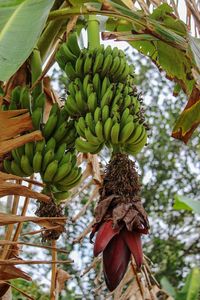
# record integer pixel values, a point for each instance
(99, 131)
(91, 138)
(80, 103)
(51, 144)
(15, 95)
(136, 134)
(50, 126)
(105, 113)
(126, 132)
(107, 129)
(48, 157)
(71, 107)
(54, 109)
(70, 72)
(60, 132)
(86, 81)
(97, 84)
(98, 62)
(16, 156)
(29, 150)
(85, 147)
(92, 102)
(25, 100)
(115, 65)
(72, 44)
(39, 102)
(60, 152)
(106, 99)
(37, 118)
(62, 171)
(115, 133)
(37, 162)
(16, 169)
(97, 114)
(79, 65)
(60, 196)
(90, 122)
(66, 158)
(71, 177)
(106, 65)
(26, 166)
(105, 86)
(40, 145)
(50, 171)
(7, 166)
(87, 64)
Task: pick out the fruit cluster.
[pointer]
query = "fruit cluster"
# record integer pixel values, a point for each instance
(102, 99)
(52, 157)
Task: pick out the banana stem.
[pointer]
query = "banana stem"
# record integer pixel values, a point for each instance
(93, 32)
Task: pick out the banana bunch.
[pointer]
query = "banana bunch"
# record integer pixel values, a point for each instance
(105, 61)
(21, 98)
(85, 96)
(57, 167)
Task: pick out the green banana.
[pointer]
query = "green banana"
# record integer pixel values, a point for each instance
(85, 147)
(12, 106)
(91, 138)
(136, 134)
(79, 65)
(97, 114)
(50, 171)
(106, 65)
(106, 99)
(37, 162)
(97, 84)
(115, 65)
(37, 118)
(16, 169)
(51, 144)
(54, 109)
(29, 150)
(98, 62)
(50, 126)
(125, 73)
(62, 171)
(71, 177)
(107, 129)
(92, 102)
(26, 166)
(73, 45)
(47, 159)
(25, 100)
(66, 158)
(90, 122)
(39, 102)
(40, 145)
(16, 156)
(80, 103)
(60, 152)
(7, 166)
(70, 72)
(86, 81)
(70, 106)
(99, 131)
(105, 86)
(88, 63)
(126, 132)
(15, 95)
(60, 196)
(115, 133)
(105, 113)
(60, 132)
(68, 53)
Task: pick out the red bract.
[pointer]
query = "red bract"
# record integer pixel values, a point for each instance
(117, 246)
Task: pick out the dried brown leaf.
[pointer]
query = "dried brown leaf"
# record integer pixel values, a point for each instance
(7, 188)
(93, 160)
(8, 145)
(61, 277)
(12, 272)
(47, 222)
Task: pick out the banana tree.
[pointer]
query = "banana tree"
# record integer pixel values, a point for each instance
(102, 97)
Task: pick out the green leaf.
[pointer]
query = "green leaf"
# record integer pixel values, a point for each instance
(167, 286)
(186, 204)
(191, 289)
(21, 26)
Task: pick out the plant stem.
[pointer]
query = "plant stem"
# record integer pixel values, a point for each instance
(93, 32)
